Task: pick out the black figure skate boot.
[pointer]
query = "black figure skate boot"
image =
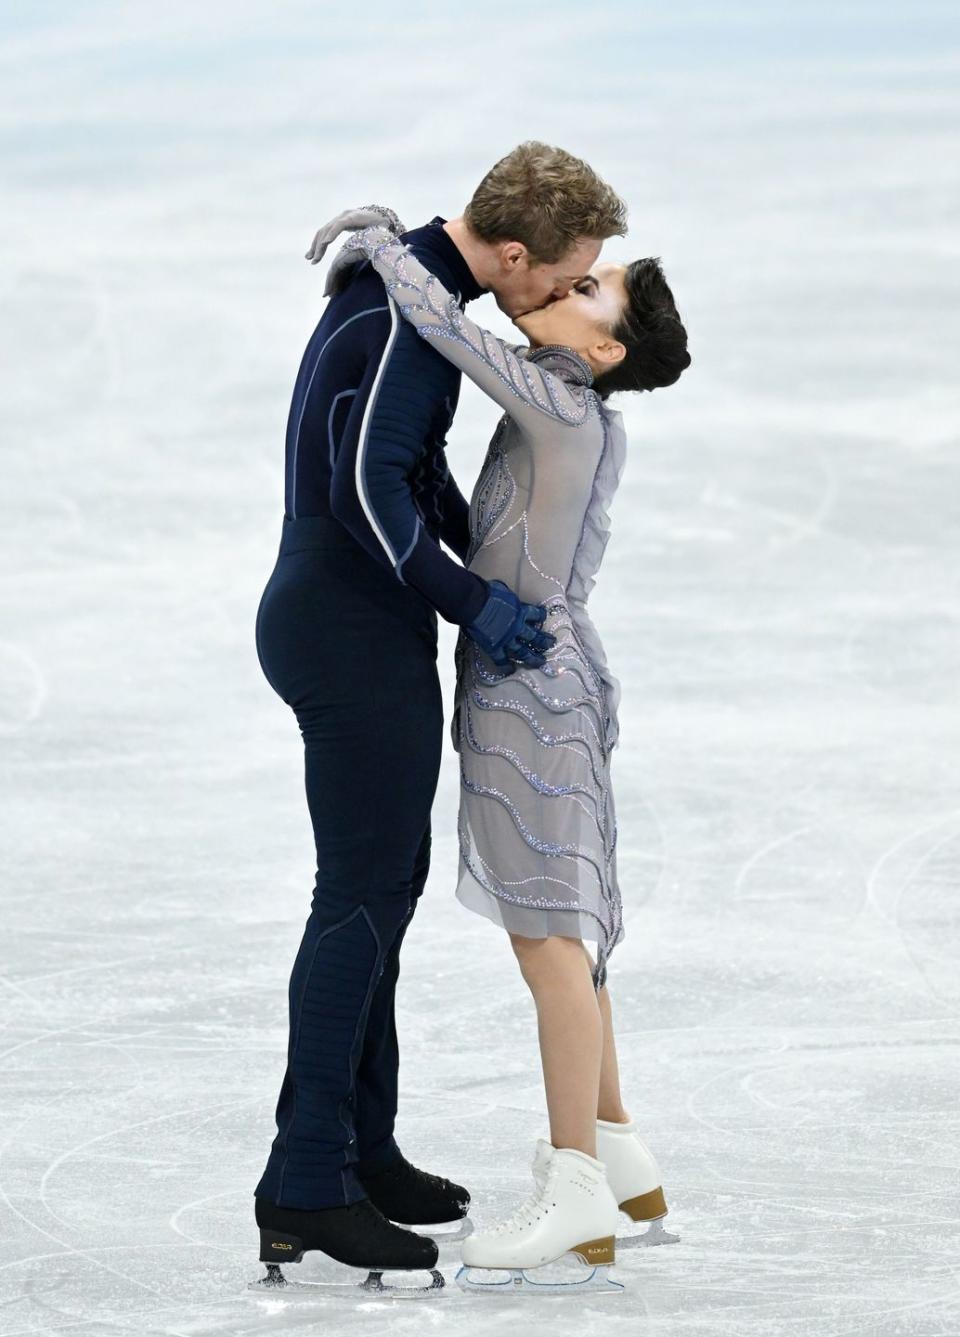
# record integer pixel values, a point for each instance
(411, 1197)
(357, 1235)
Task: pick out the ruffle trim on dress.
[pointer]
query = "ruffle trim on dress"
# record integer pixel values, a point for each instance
(589, 555)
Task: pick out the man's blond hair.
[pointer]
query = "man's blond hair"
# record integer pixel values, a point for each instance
(547, 199)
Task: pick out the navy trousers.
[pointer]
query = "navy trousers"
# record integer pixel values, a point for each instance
(353, 653)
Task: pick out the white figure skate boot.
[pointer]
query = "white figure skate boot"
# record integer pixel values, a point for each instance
(571, 1211)
(634, 1180)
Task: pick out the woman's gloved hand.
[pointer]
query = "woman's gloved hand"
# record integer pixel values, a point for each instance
(351, 220)
(509, 631)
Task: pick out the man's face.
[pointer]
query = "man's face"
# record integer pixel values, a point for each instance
(523, 285)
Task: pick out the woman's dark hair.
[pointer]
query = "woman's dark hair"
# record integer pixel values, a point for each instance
(651, 330)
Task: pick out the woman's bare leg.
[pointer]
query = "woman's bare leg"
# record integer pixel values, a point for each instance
(570, 1026)
(610, 1103)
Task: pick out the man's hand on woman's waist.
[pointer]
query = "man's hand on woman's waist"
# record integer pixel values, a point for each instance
(509, 631)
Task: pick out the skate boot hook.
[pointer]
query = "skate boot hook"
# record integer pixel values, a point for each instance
(571, 1215)
(357, 1235)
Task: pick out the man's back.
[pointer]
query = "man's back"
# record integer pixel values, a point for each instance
(367, 428)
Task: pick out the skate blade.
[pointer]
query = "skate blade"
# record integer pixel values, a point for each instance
(445, 1232)
(275, 1286)
(647, 1239)
(519, 1281)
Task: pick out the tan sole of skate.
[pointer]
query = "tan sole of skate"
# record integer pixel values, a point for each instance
(647, 1209)
(597, 1253)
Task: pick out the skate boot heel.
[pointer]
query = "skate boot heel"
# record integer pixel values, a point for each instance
(276, 1247)
(646, 1207)
(597, 1253)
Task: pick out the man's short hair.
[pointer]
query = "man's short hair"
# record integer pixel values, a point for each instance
(547, 199)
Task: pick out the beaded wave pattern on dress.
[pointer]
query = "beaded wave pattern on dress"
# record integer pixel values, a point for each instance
(485, 688)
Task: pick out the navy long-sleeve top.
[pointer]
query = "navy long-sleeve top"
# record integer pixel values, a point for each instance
(366, 435)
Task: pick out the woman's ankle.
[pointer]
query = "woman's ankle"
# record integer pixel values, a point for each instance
(613, 1114)
(586, 1145)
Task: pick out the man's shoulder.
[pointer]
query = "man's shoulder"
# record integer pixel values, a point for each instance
(361, 322)
(362, 294)
(431, 245)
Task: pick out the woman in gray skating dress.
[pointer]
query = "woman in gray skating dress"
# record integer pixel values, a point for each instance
(537, 829)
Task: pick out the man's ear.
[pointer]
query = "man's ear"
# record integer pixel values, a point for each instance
(511, 255)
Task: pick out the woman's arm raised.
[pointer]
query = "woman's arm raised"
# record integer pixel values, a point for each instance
(526, 391)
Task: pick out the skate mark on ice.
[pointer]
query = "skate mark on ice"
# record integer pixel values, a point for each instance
(931, 954)
(79, 1027)
(23, 688)
(662, 858)
(718, 1077)
(891, 914)
(93, 966)
(800, 527)
(875, 1315)
(89, 1254)
(174, 1221)
(119, 1130)
(811, 525)
(837, 842)
(64, 1245)
(243, 1103)
(14, 987)
(888, 656)
(891, 918)
(140, 1081)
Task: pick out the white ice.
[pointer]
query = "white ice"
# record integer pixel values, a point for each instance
(779, 601)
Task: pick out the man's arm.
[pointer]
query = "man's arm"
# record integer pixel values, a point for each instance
(391, 415)
(455, 521)
(392, 411)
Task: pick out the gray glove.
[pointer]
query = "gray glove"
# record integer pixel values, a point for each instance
(351, 220)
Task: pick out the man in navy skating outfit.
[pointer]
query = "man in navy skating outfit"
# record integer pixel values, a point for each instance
(347, 636)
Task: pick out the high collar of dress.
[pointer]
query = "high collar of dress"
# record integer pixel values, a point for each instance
(564, 362)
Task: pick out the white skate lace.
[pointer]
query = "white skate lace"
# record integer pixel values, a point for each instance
(530, 1209)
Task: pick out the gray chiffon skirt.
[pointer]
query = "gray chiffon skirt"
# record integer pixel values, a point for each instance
(537, 828)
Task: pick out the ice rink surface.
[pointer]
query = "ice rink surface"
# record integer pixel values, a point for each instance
(780, 601)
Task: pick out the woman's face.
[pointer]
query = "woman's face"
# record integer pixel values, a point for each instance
(583, 318)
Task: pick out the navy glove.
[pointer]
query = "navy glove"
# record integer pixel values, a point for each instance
(509, 631)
